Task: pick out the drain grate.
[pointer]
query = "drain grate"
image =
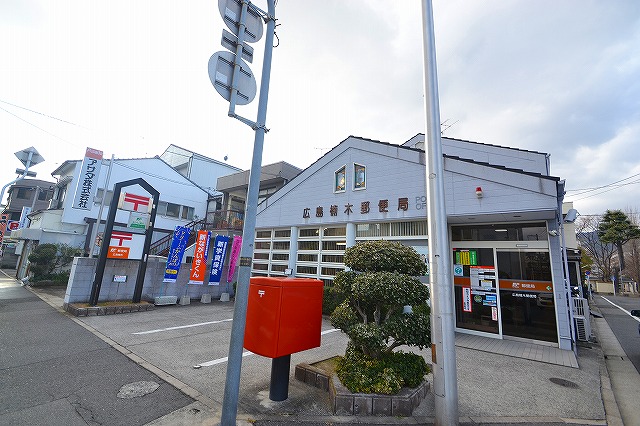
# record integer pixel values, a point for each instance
(563, 382)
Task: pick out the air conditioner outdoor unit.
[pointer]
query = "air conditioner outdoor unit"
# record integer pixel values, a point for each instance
(583, 329)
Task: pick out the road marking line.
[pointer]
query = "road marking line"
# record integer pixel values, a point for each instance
(159, 330)
(219, 360)
(621, 308)
(247, 353)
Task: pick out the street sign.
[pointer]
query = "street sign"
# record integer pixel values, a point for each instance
(23, 156)
(230, 11)
(221, 73)
(230, 41)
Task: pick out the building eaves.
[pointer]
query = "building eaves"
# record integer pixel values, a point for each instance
(484, 144)
(498, 167)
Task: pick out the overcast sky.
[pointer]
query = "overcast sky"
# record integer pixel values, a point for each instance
(130, 78)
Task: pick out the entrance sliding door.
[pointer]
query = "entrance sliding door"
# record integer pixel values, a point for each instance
(475, 288)
(526, 294)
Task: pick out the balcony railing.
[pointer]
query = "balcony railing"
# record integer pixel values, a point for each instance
(221, 220)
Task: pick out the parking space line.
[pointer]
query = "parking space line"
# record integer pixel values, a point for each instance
(247, 353)
(159, 330)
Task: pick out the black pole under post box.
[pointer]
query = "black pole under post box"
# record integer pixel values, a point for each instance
(279, 387)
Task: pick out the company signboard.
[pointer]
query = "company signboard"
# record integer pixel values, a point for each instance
(88, 180)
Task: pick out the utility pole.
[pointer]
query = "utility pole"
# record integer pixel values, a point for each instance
(443, 350)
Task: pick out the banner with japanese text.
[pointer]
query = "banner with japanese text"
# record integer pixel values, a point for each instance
(235, 255)
(87, 184)
(219, 251)
(174, 260)
(200, 254)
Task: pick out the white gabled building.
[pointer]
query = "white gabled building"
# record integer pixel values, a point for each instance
(181, 201)
(503, 211)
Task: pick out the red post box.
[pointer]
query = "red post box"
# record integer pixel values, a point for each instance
(284, 315)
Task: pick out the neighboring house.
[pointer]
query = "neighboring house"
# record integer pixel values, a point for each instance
(24, 197)
(202, 170)
(234, 188)
(181, 201)
(503, 212)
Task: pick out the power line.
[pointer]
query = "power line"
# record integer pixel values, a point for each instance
(39, 128)
(606, 190)
(43, 114)
(585, 190)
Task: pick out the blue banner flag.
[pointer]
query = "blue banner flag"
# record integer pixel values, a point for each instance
(219, 251)
(178, 245)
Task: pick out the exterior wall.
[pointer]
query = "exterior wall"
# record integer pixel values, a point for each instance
(500, 189)
(206, 173)
(388, 178)
(173, 188)
(83, 268)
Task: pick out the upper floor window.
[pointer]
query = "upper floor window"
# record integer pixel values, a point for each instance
(23, 193)
(175, 210)
(340, 180)
(359, 176)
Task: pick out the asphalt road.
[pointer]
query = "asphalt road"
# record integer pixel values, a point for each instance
(55, 372)
(615, 310)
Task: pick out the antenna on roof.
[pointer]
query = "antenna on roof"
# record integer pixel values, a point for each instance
(444, 126)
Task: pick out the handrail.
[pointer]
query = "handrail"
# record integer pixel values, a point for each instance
(218, 220)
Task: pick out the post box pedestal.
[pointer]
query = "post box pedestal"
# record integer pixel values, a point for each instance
(279, 387)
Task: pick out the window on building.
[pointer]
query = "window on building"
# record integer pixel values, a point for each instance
(187, 212)
(340, 180)
(501, 232)
(23, 193)
(282, 233)
(309, 232)
(360, 176)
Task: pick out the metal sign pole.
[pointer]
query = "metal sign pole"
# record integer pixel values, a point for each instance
(234, 365)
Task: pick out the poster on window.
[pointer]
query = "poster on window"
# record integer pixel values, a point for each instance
(217, 260)
(200, 254)
(466, 299)
(235, 255)
(174, 260)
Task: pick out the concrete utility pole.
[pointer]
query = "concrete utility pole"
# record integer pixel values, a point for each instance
(443, 350)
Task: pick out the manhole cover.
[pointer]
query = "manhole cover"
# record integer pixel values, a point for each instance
(136, 389)
(563, 382)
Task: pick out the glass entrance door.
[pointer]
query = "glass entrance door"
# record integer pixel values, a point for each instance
(526, 294)
(475, 288)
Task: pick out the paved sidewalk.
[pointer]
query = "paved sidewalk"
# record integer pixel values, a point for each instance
(493, 388)
(55, 372)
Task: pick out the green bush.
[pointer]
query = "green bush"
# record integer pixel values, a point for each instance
(381, 282)
(387, 375)
(331, 299)
(47, 261)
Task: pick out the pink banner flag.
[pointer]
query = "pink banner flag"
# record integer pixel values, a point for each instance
(235, 255)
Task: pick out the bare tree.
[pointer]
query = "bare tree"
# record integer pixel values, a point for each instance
(601, 253)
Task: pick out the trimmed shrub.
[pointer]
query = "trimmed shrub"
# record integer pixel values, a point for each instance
(379, 285)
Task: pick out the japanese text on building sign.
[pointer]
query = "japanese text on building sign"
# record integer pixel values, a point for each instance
(88, 179)
(365, 208)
